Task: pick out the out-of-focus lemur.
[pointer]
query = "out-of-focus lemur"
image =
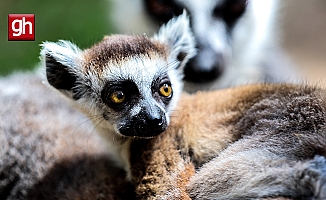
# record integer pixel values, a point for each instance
(250, 142)
(266, 140)
(238, 41)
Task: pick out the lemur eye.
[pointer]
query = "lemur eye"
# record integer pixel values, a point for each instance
(117, 97)
(163, 10)
(165, 90)
(237, 6)
(231, 10)
(159, 6)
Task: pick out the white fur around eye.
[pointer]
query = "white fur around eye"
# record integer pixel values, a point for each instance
(143, 71)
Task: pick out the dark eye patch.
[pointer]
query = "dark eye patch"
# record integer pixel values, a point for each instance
(127, 87)
(157, 85)
(163, 10)
(230, 10)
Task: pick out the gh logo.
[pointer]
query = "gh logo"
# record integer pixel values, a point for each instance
(21, 27)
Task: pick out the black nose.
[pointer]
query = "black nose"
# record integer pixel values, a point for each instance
(194, 73)
(154, 121)
(145, 125)
(150, 125)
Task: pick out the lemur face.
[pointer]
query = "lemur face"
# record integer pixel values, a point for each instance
(128, 83)
(212, 23)
(142, 102)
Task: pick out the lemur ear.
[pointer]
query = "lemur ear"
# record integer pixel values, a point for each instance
(62, 62)
(179, 37)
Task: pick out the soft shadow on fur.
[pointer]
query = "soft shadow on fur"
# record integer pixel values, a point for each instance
(83, 177)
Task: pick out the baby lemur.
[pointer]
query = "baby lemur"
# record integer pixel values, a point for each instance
(255, 141)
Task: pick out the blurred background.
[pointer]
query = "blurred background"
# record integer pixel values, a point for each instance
(83, 22)
(304, 37)
(302, 23)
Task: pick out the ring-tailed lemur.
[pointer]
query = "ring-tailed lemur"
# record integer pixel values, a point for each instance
(237, 40)
(129, 87)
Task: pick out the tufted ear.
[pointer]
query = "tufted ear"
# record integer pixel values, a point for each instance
(62, 62)
(179, 37)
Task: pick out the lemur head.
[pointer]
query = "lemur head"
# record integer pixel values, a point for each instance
(129, 83)
(212, 23)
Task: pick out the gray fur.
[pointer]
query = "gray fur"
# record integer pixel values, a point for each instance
(178, 35)
(281, 152)
(257, 174)
(48, 149)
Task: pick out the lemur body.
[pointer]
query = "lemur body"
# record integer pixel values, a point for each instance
(265, 140)
(48, 149)
(238, 42)
(129, 87)
(50, 155)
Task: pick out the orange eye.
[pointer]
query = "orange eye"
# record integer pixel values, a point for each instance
(166, 90)
(117, 97)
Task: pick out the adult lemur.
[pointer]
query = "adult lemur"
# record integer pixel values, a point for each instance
(258, 141)
(237, 40)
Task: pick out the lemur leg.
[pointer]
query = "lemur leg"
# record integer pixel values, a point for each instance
(256, 174)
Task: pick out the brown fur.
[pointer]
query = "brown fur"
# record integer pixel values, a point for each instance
(204, 125)
(119, 48)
